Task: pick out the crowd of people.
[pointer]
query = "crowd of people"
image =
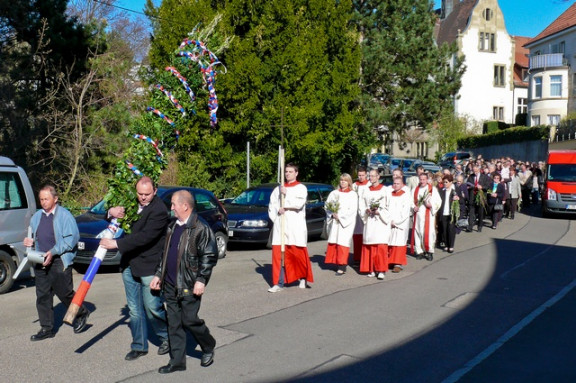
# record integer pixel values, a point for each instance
(416, 214)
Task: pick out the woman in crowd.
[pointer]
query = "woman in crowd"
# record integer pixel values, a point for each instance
(342, 207)
(496, 199)
(463, 195)
(537, 178)
(514, 191)
(447, 216)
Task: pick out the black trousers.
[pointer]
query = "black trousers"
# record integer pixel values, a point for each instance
(51, 280)
(182, 315)
(476, 211)
(448, 230)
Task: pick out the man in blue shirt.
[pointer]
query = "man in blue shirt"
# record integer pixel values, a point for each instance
(56, 235)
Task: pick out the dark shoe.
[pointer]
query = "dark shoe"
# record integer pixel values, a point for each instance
(479, 230)
(42, 334)
(170, 368)
(80, 324)
(207, 359)
(164, 348)
(419, 256)
(450, 251)
(468, 230)
(134, 354)
(429, 257)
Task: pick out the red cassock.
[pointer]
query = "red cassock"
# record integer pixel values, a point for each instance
(296, 264)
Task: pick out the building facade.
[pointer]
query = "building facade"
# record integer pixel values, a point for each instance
(489, 90)
(552, 90)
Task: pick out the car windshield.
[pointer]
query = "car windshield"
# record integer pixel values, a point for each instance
(395, 161)
(99, 208)
(379, 158)
(562, 172)
(256, 197)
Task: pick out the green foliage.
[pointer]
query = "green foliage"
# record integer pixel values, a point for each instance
(494, 126)
(511, 135)
(291, 64)
(448, 130)
(407, 80)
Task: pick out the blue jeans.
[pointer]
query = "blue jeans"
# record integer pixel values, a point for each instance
(144, 304)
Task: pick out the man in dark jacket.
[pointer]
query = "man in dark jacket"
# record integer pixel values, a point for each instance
(479, 184)
(190, 254)
(141, 253)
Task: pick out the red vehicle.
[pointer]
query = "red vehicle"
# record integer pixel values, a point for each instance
(559, 194)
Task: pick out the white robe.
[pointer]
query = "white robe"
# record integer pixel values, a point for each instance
(359, 189)
(341, 231)
(420, 225)
(399, 209)
(295, 230)
(376, 228)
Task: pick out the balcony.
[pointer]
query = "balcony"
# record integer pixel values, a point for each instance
(548, 61)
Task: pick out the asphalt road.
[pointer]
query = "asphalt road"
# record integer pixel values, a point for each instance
(500, 309)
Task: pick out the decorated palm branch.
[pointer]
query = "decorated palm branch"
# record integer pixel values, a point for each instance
(153, 135)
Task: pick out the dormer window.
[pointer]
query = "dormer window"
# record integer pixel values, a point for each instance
(487, 14)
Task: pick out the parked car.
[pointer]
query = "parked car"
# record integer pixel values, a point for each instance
(391, 164)
(17, 206)
(378, 161)
(91, 223)
(428, 166)
(407, 162)
(449, 160)
(248, 213)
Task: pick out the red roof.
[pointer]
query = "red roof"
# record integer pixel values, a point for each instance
(564, 21)
(521, 60)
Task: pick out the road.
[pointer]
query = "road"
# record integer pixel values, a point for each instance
(499, 309)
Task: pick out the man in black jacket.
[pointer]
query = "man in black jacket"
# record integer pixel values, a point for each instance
(141, 253)
(479, 183)
(190, 254)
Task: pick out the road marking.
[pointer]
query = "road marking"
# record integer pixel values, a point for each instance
(508, 335)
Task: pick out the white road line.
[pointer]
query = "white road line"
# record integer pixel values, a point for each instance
(508, 335)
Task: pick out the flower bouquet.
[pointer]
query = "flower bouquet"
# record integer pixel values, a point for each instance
(375, 204)
(455, 209)
(332, 206)
(480, 200)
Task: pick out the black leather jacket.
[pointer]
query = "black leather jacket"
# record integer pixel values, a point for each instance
(197, 255)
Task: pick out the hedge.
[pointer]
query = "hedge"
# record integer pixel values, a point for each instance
(511, 135)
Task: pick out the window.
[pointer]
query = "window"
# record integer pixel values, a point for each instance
(535, 120)
(556, 86)
(499, 73)
(487, 14)
(487, 42)
(538, 87)
(204, 202)
(522, 105)
(313, 196)
(11, 192)
(553, 119)
(558, 48)
(498, 113)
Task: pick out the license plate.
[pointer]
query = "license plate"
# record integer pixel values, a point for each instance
(81, 245)
(570, 207)
(230, 233)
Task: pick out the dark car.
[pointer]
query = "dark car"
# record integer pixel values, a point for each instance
(378, 161)
(248, 213)
(428, 166)
(91, 223)
(449, 160)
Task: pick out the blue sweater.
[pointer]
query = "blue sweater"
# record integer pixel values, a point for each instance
(65, 232)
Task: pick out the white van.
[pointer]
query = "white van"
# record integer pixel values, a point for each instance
(17, 205)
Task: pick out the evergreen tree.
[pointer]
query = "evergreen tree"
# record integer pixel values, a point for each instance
(407, 80)
(291, 62)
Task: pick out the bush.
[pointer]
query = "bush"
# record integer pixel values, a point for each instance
(500, 137)
(493, 126)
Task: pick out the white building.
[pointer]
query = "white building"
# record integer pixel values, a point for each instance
(552, 79)
(488, 90)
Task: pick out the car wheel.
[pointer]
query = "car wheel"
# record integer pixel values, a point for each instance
(221, 243)
(7, 270)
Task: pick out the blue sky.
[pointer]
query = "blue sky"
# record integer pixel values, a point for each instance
(523, 17)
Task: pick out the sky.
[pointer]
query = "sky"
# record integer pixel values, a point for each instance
(523, 17)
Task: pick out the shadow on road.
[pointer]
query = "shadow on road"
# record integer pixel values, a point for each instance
(494, 310)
